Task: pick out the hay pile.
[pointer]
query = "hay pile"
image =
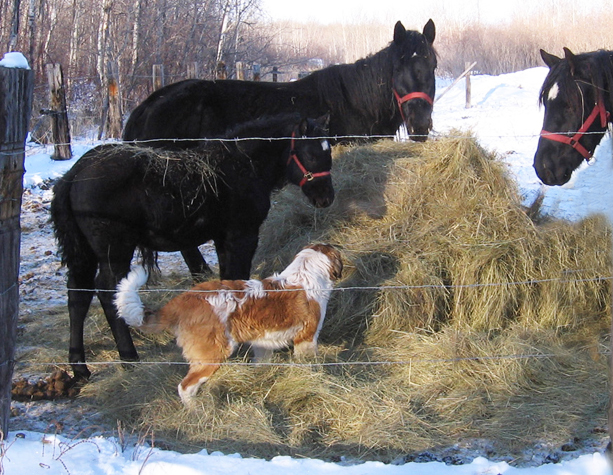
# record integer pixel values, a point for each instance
(492, 326)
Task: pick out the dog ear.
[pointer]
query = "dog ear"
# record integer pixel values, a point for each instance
(337, 263)
(337, 267)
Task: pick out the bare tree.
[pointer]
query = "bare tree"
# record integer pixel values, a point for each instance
(14, 26)
(136, 27)
(223, 30)
(103, 40)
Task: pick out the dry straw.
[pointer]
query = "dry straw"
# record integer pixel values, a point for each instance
(496, 321)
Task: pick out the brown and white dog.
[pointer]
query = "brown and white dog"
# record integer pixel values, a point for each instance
(212, 318)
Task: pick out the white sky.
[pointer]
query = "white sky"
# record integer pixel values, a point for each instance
(415, 12)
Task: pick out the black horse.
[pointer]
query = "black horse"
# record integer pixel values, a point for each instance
(372, 96)
(118, 198)
(577, 99)
(577, 94)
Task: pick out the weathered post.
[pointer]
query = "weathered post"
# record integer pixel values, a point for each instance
(192, 70)
(240, 71)
(158, 76)
(15, 103)
(257, 72)
(58, 113)
(468, 86)
(221, 72)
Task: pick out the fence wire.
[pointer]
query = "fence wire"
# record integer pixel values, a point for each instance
(399, 136)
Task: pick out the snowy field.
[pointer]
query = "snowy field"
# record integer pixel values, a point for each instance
(504, 116)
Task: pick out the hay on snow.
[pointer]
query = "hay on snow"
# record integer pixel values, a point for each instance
(484, 324)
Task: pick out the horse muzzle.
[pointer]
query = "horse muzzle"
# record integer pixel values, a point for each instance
(552, 173)
(419, 132)
(320, 192)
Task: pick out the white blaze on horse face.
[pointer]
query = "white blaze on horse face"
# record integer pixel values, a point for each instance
(325, 145)
(553, 92)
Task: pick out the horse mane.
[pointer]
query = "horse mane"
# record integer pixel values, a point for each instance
(595, 67)
(269, 126)
(359, 83)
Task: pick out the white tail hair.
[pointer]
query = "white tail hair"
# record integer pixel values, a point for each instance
(129, 305)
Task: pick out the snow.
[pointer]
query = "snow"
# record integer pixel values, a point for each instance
(504, 116)
(28, 452)
(14, 60)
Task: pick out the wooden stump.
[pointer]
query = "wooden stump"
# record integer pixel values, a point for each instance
(15, 105)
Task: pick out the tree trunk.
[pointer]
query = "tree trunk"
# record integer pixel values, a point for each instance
(59, 114)
(114, 122)
(14, 26)
(32, 27)
(74, 38)
(161, 35)
(103, 40)
(136, 28)
(222, 32)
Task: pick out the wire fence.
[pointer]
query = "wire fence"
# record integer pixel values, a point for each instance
(567, 277)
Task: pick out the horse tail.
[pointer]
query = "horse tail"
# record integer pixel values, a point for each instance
(73, 247)
(129, 305)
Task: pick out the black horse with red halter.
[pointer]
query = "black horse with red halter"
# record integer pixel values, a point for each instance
(577, 100)
(361, 97)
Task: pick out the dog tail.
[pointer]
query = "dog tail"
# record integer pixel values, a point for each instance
(129, 304)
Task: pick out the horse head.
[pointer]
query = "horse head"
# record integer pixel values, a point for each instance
(310, 161)
(576, 115)
(413, 82)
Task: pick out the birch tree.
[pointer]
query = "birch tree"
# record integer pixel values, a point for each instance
(14, 31)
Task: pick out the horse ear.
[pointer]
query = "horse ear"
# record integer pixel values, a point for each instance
(570, 57)
(324, 122)
(400, 33)
(303, 127)
(429, 31)
(550, 59)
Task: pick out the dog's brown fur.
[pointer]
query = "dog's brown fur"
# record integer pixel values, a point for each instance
(213, 317)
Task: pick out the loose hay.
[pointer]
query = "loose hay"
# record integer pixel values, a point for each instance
(490, 325)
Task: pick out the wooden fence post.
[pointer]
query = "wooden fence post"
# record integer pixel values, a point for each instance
(158, 76)
(192, 70)
(468, 85)
(59, 115)
(221, 72)
(455, 81)
(240, 71)
(15, 104)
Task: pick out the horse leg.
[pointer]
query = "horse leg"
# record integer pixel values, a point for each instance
(196, 264)
(79, 302)
(110, 274)
(235, 253)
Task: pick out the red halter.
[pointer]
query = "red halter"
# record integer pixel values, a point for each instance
(410, 96)
(307, 175)
(599, 110)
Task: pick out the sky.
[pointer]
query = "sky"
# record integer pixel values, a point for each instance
(327, 11)
(413, 12)
(505, 118)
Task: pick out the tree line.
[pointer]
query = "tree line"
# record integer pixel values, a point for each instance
(88, 36)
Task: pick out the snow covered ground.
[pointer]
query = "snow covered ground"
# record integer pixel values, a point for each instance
(505, 117)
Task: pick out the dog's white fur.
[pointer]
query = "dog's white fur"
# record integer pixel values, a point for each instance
(212, 318)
